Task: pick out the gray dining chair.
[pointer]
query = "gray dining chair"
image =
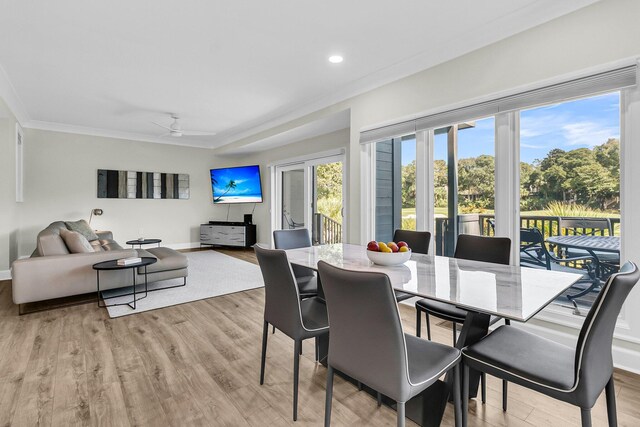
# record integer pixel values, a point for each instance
(573, 375)
(283, 308)
(294, 239)
(368, 344)
(418, 241)
(496, 250)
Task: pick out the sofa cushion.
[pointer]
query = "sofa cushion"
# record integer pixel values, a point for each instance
(110, 245)
(83, 228)
(96, 245)
(168, 259)
(49, 241)
(76, 242)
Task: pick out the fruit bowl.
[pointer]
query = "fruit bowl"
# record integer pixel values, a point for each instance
(388, 258)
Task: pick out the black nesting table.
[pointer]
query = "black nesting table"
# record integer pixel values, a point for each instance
(139, 242)
(114, 266)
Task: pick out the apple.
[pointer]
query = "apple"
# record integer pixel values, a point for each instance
(373, 246)
(386, 249)
(393, 246)
(404, 249)
(402, 244)
(382, 245)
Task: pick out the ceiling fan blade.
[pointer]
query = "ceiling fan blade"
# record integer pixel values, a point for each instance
(197, 133)
(162, 126)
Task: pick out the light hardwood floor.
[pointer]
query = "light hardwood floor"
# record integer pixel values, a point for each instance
(198, 364)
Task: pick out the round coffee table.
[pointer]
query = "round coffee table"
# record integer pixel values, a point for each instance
(139, 242)
(113, 265)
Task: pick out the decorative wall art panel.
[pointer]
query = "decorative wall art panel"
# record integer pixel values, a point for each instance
(114, 184)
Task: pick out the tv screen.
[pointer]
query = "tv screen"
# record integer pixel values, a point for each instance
(236, 185)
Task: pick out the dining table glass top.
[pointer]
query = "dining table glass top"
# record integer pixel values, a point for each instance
(507, 291)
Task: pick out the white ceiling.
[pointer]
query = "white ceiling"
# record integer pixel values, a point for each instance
(230, 67)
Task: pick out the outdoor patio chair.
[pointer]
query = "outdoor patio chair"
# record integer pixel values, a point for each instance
(534, 253)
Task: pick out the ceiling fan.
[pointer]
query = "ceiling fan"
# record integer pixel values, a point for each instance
(175, 129)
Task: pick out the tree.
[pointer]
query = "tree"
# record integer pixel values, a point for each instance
(409, 185)
(230, 186)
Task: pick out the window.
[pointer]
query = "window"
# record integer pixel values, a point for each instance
(464, 182)
(395, 204)
(570, 168)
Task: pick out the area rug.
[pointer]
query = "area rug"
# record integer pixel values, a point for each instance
(211, 274)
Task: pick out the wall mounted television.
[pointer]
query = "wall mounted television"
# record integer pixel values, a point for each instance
(239, 184)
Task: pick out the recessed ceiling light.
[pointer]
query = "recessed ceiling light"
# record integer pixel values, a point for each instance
(336, 59)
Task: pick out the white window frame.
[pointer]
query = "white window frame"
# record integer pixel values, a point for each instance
(507, 210)
(306, 163)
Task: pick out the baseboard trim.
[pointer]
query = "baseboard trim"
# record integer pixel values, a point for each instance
(5, 274)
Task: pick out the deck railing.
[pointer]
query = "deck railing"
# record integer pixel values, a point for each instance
(548, 225)
(326, 230)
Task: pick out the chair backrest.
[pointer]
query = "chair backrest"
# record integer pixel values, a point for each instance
(594, 362)
(293, 239)
(532, 248)
(585, 226)
(469, 224)
(366, 340)
(418, 241)
(282, 298)
(483, 248)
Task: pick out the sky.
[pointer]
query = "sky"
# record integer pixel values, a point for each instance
(575, 124)
(247, 180)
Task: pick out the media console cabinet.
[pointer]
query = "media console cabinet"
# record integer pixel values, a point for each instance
(223, 233)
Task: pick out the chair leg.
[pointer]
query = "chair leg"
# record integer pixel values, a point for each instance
(418, 322)
(610, 393)
(465, 393)
(296, 371)
(456, 396)
(585, 415)
(265, 334)
(359, 386)
(483, 380)
(454, 334)
(329, 397)
(317, 348)
(505, 384)
(379, 396)
(400, 413)
(274, 329)
(507, 322)
(428, 326)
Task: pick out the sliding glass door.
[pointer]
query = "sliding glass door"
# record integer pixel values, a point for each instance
(310, 195)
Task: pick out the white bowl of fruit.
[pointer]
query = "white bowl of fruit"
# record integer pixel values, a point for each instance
(388, 253)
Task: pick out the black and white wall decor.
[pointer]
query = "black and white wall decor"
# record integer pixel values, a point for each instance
(114, 184)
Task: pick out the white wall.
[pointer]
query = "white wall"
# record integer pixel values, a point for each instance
(7, 190)
(600, 34)
(262, 215)
(61, 184)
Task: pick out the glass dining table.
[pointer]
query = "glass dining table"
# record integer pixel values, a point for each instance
(483, 289)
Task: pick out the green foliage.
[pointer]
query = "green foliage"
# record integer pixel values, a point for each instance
(329, 180)
(331, 207)
(573, 210)
(409, 185)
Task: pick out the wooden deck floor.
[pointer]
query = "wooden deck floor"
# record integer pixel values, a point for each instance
(198, 364)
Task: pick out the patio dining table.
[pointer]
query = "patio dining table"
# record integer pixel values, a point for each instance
(483, 289)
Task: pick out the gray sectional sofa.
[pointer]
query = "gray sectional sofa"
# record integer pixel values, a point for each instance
(53, 272)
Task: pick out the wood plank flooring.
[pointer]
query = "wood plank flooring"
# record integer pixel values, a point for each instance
(198, 364)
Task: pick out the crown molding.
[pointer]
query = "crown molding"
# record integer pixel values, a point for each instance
(105, 133)
(11, 98)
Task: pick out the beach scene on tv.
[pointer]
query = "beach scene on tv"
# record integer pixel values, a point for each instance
(236, 185)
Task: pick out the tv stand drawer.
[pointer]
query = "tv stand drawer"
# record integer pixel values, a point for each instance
(227, 235)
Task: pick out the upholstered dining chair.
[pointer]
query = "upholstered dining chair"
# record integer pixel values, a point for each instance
(299, 319)
(293, 239)
(573, 375)
(476, 248)
(369, 345)
(418, 241)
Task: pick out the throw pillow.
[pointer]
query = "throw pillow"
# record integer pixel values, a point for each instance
(83, 228)
(76, 242)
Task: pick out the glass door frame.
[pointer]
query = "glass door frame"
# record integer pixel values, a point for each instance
(306, 164)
